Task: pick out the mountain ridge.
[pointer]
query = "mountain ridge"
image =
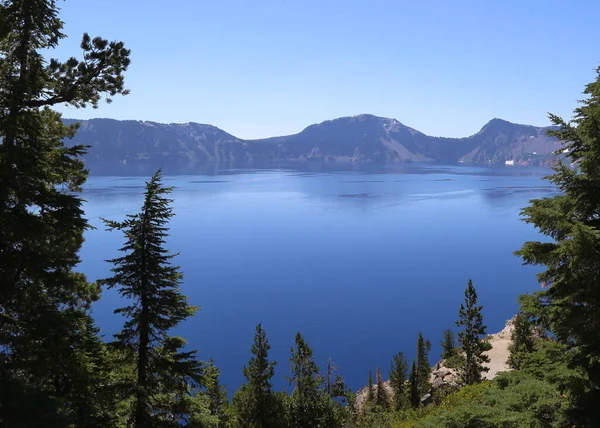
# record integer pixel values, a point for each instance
(359, 138)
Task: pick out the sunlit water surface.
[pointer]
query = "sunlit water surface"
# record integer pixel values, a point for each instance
(358, 261)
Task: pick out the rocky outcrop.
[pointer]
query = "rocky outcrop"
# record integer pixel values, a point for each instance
(445, 379)
(361, 394)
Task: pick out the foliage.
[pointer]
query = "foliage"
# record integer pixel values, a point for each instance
(456, 360)
(471, 319)
(413, 383)
(309, 405)
(255, 402)
(534, 396)
(370, 389)
(341, 397)
(448, 344)
(570, 303)
(522, 341)
(216, 393)
(145, 277)
(550, 362)
(423, 368)
(514, 400)
(200, 415)
(381, 398)
(51, 360)
(398, 381)
(381, 420)
(335, 386)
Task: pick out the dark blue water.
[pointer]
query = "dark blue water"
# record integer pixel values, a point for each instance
(359, 262)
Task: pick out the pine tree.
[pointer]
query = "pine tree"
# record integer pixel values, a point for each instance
(216, 393)
(413, 382)
(570, 303)
(48, 345)
(471, 319)
(448, 344)
(371, 389)
(522, 341)
(398, 374)
(423, 368)
(200, 414)
(309, 405)
(147, 279)
(339, 399)
(256, 402)
(95, 384)
(381, 399)
(334, 383)
(329, 381)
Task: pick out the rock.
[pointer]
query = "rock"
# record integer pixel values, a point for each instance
(506, 332)
(443, 380)
(361, 394)
(426, 399)
(443, 372)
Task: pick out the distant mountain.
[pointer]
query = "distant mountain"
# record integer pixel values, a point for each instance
(362, 138)
(500, 141)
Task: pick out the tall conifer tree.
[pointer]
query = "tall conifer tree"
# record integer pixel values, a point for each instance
(48, 343)
(334, 383)
(309, 405)
(522, 341)
(398, 374)
(570, 303)
(423, 368)
(413, 382)
(471, 321)
(329, 377)
(216, 393)
(381, 398)
(256, 402)
(146, 278)
(371, 389)
(448, 343)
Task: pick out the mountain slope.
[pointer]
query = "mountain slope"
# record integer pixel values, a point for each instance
(362, 138)
(500, 140)
(129, 141)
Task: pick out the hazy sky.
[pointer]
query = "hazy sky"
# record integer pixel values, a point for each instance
(259, 68)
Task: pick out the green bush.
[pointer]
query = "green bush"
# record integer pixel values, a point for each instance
(513, 399)
(381, 419)
(536, 396)
(455, 361)
(470, 416)
(549, 362)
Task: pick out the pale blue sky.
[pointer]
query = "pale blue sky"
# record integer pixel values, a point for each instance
(259, 68)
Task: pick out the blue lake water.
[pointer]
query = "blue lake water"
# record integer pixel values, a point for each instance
(359, 261)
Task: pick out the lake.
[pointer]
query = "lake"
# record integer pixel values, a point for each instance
(359, 261)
